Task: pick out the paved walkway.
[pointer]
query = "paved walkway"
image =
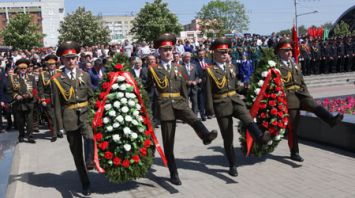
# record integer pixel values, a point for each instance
(47, 170)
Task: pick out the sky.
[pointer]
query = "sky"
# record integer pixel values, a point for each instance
(266, 16)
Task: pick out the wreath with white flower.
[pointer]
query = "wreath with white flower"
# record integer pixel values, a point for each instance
(268, 105)
(125, 140)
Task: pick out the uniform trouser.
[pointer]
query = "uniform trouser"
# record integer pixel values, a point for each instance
(201, 102)
(6, 113)
(347, 64)
(226, 126)
(193, 99)
(168, 135)
(332, 65)
(76, 147)
(154, 107)
(316, 66)
(307, 65)
(36, 117)
(340, 65)
(325, 66)
(52, 122)
(25, 118)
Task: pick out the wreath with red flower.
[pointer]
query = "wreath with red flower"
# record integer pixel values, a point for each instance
(268, 106)
(125, 140)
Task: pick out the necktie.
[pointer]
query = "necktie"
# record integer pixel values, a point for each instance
(72, 76)
(188, 68)
(168, 67)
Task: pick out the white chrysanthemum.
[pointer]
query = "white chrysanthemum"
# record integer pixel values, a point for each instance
(136, 113)
(138, 106)
(119, 95)
(116, 138)
(277, 138)
(123, 87)
(128, 118)
(108, 107)
(140, 118)
(106, 120)
(264, 74)
(131, 103)
(135, 122)
(124, 109)
(271, 63)
(124, 100)
(257, 91)
(117, 104)
(269, 143)
(119, 118)
(127, 147)
(128, 95)
(134, 136)
(112, 113)
(141, 129)
(115, 86)
(127, 131)
(116, 125)
(133, 95)
(282, 131)
(109, 128)
(260, 83)
(121, 79)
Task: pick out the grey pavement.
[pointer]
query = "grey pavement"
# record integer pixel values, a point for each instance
(46, 170)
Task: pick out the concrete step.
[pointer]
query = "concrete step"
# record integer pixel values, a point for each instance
(336, 79)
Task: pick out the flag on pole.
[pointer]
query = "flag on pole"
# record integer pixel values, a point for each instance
(296, 49)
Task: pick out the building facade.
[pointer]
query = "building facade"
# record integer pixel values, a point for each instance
(46, 13)
(119, 27)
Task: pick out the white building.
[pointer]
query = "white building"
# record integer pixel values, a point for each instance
(46, 13)
(119, 27)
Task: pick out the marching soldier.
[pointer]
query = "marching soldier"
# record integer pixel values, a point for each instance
(298, 97)
(172, 101)
(72, 92)
(223, 100)
(45, 89)
(21, 86)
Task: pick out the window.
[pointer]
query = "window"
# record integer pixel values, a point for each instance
(61, 10)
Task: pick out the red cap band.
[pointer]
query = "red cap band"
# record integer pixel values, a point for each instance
(69, 51)
(224, 46)
(166, 43)
(286, 46)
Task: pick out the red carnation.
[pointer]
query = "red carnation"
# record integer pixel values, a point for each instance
(108, 155)
(272, 103)
(103, 145)
(274, 123)
(143, 151)
(116, 161)
(285, 119)
(273, 111)
(263, 115)
(125, 163)
(265, 124)
(273, 95)
(277, 81)
(136, 159)
(148, 132)
(119, 67)
(280, 99)
(99, 122)
(280, 114)
(281, 125)
(102, 95)
(147, 143)
(280, 107)
(98, 103)
(98, 136)
(278, 88)
(110, 75)
(272, 130)
(263, 105)
(105, 85)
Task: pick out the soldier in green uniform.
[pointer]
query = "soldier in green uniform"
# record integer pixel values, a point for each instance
(72, 92)
(223, 100)
(21, 86)
(170, 80)
(45, 91)
(298, 97)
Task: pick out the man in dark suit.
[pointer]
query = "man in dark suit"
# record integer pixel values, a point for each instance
(45, 91)
(21, 86)
(298, 97)
(223, 100)
(172, 101)
(191, 79)
(72, 92)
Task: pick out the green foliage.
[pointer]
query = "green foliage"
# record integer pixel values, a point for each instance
(342, 29)
(81, 26)
(221, 17)
(153, 20)
(21, 33)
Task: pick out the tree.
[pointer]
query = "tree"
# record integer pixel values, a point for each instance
(342, 29)
(82, 27)
(21, 33)
(221, 17)
(153, 20)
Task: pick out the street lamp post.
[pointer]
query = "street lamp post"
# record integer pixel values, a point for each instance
(297, 15)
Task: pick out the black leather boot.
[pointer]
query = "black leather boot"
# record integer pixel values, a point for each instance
(327, 117)
(258, 135)
(89, 154)
(201, 130)
(233, 171)
(296, 157)
(174, 179)
(86, 189)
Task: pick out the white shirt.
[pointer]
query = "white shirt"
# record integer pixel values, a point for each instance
(68, 72)
(165, 64)
(221, 65)
(137, 72)
(188, 66)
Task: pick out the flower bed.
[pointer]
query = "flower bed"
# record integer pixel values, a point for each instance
(345, 105)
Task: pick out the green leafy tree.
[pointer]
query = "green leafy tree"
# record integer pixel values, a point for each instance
(342, 29)
(221, 17)
(153, 20)
(21, 33)
(83, 27)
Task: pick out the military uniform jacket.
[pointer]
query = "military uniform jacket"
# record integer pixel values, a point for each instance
(67, 92)
(45, 87)
(165, 82)
(23, 87)
(294, 84)
(214, 86)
